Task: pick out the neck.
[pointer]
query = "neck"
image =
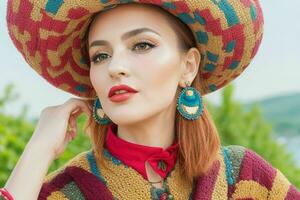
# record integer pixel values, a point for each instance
(156, 131)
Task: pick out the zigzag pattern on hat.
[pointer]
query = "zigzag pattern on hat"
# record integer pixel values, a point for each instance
(49, 33)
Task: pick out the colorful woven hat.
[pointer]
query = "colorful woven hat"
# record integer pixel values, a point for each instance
(49, 33)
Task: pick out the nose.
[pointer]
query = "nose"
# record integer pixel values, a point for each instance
(117, 73)
(117, 68)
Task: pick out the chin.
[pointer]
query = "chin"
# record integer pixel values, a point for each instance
(127, 119)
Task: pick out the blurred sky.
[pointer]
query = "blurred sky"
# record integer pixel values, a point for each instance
(274, 71)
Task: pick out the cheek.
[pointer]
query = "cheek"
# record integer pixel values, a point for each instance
(160, 75)
(96, 79)
(92, 77)
(161, 68)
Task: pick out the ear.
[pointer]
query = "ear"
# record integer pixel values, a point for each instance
(191, 63)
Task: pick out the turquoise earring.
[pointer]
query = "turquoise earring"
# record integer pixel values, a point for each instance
(98, 113)
(189, 103)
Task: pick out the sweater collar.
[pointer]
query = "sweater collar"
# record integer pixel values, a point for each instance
(135, 155)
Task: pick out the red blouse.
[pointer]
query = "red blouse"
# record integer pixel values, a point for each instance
(135, 155)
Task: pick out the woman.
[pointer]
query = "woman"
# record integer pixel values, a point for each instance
(144, 70)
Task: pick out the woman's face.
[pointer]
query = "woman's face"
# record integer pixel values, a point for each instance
(133, 44)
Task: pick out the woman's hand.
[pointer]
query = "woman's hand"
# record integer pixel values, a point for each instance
(48, 141)
(52, 131)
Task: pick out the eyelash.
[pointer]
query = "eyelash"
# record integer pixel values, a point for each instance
(96, 57)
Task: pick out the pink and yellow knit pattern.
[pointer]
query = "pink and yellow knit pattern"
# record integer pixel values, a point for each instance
(49, 33)
(237, 174)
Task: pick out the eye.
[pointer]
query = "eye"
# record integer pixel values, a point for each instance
(143, 46)
(99, 57)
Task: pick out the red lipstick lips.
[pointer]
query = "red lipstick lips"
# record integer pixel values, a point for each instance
(121, 93)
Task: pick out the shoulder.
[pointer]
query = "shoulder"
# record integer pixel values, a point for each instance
(249, 173)
(233, 157)
(73, 180)
(247, 164)
(80, 160)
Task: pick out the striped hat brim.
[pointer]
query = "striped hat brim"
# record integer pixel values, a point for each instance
(49, 34)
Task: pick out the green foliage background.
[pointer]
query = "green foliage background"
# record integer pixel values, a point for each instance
(234, 123)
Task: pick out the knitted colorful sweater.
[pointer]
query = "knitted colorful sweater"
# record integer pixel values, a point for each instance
(238, 174)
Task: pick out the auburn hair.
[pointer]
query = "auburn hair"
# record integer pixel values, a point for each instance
(199, 141)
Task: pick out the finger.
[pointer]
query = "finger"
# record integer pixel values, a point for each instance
(73, 118)
(68, 137)
(73, 124)
(75, 110)
(74, 103)
(78, 106)
(72, 132)
(77, 113)
(82, 107)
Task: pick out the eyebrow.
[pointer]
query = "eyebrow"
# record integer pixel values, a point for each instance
(125, 36)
